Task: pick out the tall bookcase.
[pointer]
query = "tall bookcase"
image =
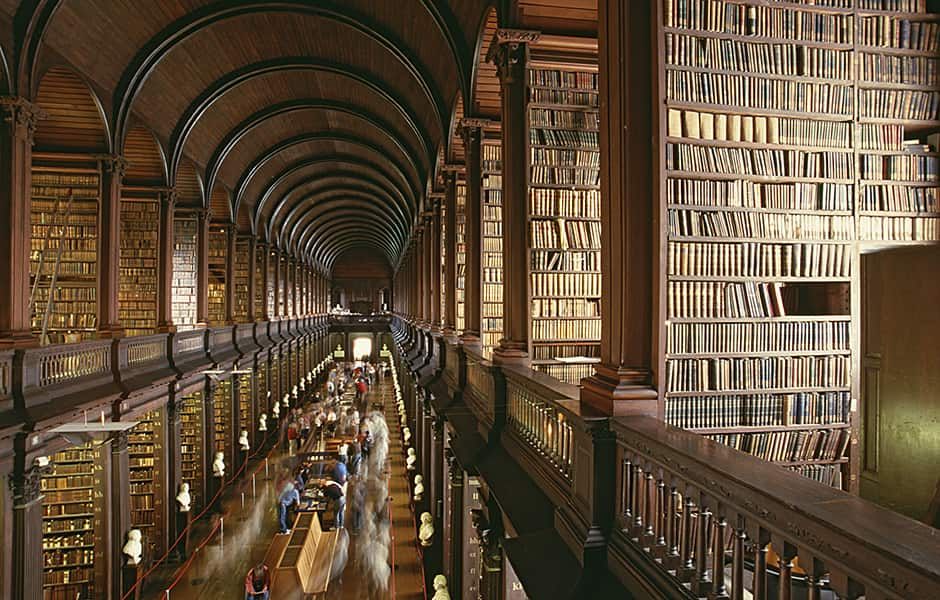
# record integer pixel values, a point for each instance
(222, 423)
(272, 267)
(564, 218)
(192, 446)
(146, 449)
(63, 263)
(218, 251)
(261, 375)
(245, 385)
(491, 235)
(184, 271)
(275, 379)
(73, 511)
(442, 241)
(793, 136)
(242, 265)
(137, 293)
(260, 292)
(461, 252)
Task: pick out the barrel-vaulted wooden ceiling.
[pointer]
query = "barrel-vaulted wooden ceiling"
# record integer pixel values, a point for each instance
(314, 124)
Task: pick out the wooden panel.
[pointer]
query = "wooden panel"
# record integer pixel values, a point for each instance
(361, 263)
(219, 205)
(145, 160)
(74, 122)
(189, 185)
(486, 86)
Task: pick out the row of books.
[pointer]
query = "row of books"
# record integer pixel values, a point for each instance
(564, 260)
(830, 474)
(730, 374)
(565, 203)
(542, 175)
(562, 233)
(67, 317)
(911, 6)
(755, 259)
(560, 351)
(758, 410)
(565, 158)
(758, 337)
(566, 284)
(492, 229)
(493, 293)
(900, 229)
(570, 138)
(567, 372)
(56, 481)
(899, 104)
(758, 20)
(790, 446)
(563, 96)
(779, 95)
(44, 197)
(744, 193)
(762, 58)
(565, 307)
(900, 167)
(67, 525)
(760, 161)
(908, 70)
(889, 31)
(758, 129)
(80, 264)
(898, 198)
(554, 328)
(67, 541)
(581, 120)
(75, 230)
(64, 181)
(766, 225)
(557, 78)
(493, 274)
(724, 300)
(184, 272)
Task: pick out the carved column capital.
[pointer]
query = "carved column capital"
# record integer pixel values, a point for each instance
(115, 164)
(22, 114)
(27, 487)
(510, 60)
(169, 198)
(119, 441)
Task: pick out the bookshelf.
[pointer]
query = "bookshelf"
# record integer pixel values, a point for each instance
(218, 250)
(184, 271)
(137, 293)
(260, 292)
(491, 235)
(191, 447)
(73, 509)
(272, 269)
(245, 398)
(146, 443)
(461, 253)
(564, 219)
(261, 374)
(242, 265)
(793, 138)
(275, 379)
(222, 423)
(63, 263)
(442, 242)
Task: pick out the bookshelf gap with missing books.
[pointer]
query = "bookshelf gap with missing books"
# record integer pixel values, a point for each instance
(564, 218)
(146, 445)
(73, 510)
(184, 271)
(491, 236)
(218, 250)
(63, 259)
(137, 293)
(192, 447)
(795, 137)
(461, 253)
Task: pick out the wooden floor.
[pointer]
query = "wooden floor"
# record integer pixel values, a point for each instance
(240, 540)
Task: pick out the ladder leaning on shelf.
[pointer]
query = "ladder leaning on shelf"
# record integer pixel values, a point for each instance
(43, 337)
(42, 255)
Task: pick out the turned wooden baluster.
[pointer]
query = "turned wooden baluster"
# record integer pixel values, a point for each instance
(638, 500)
(649, 498)
(672, 528)
(813, 577)
(719, 590)
(760, 566)
(687, 564)
(737, 561)
(661, 500)
(626, 497)
(702, 580)
(786, 571)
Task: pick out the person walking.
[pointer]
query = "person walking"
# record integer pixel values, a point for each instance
(289, 497)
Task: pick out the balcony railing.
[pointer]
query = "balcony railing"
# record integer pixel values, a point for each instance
(58, 364)
(541, 425)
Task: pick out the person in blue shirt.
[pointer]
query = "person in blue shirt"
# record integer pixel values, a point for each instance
(289, 497)
(339, 472)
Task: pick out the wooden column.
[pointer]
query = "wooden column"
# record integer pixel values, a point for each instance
(173, 472)
(165, 263)
(109, 246)
(276, 284)
(295, 287)
(420, 285)
(435, 266)
(450, 245)
(265, 283)
(230, 259)
(455, 566)
(472, 131)
(27, 557)
(284, 271)
(17, 127)
(202, 269)
(510, 55)
(120, 513)
(623, 381)
(252, 277)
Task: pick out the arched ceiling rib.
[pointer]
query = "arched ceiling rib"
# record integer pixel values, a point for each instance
(289, 108)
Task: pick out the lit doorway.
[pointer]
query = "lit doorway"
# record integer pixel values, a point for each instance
(362, 348)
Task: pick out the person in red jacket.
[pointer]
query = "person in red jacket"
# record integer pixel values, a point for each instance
(258, 583)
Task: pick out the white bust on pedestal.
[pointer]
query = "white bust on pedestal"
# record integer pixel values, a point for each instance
(440, 588)
(183, 500)
(263, 422)
(133, 549)
(419, 488)
(243, 441)
(218, 465)
(406, 433)
(276, 411)
(411, 459)
(426, 531)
